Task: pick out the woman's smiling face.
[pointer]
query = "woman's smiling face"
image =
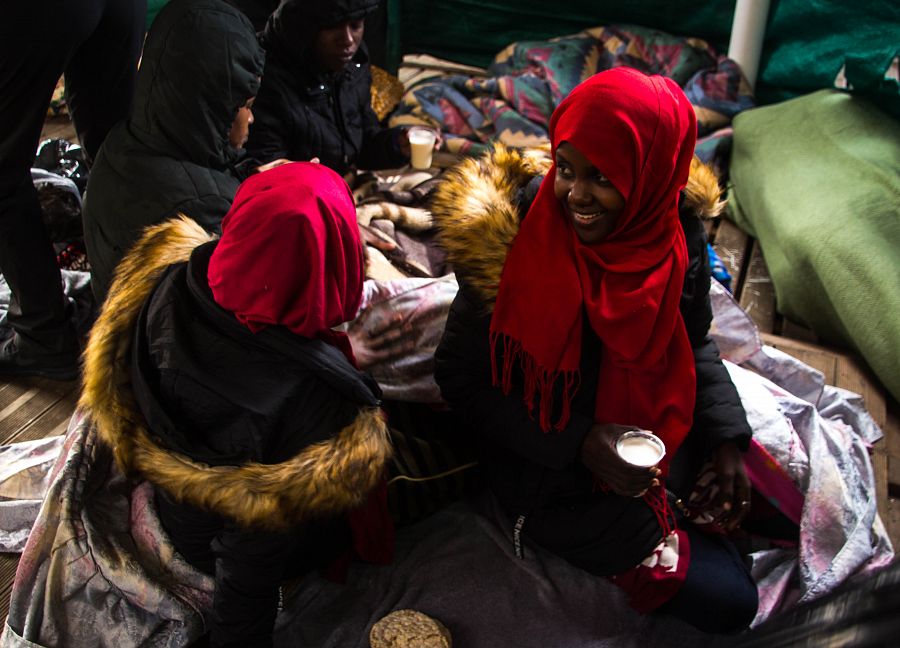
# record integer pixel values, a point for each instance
(589, 199)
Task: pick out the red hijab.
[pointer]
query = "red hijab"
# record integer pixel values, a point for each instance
(639, 131)
(290, 253)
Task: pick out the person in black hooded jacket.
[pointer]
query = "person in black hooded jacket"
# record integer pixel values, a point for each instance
(314, 101)
(179, 149)
(213, 372)
(585, 315)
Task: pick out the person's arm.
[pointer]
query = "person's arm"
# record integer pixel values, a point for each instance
(273, 125)
(720, 421)
(463, 373)
(381, 147)
(719, 416)
(208, 211)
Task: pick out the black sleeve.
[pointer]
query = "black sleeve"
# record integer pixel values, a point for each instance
(463, 372)
(208, 211)
(273, 125)
(380, 147)
(249, 568)
(718, 413)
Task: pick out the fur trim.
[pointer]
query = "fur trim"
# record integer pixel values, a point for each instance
(324, 477)
(329, 476)
(476, 212)
(702, 192)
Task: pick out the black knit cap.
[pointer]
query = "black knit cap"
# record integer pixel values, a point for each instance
(295, 22)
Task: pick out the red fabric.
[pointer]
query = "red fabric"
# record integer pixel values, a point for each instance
(290, 253)
(660, 576)
(639, 131)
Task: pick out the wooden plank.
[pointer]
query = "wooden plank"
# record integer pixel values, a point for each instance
(757, 296)
(52, 422)
(13, 390)
(891, 430)
(39, 396)
(879, 466)
(8, 564)
(818, 357)
(732, 246)
(892, 521)
(893, 477)
(853, 375)
(59, 127)
(795, 331)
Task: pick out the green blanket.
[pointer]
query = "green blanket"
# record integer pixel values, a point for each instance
(817, 181)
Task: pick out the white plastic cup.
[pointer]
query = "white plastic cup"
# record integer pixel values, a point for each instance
(421, 146)
(641, 448)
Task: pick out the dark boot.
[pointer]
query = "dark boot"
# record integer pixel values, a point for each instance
(16, 362)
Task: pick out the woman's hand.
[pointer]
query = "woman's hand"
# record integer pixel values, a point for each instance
(598, 453)
(731, 499)
(271, 165)
(386, 341)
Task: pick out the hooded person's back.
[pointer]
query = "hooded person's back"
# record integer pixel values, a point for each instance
(201, 63)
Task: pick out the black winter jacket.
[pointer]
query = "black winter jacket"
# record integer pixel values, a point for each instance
(201, 63)
(256, 443)
(538, 474)
(302, 113)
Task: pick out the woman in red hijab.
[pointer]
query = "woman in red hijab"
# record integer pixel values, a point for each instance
(214, 373)
(599, 325)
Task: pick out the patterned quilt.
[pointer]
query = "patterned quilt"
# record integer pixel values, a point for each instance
(528, 79)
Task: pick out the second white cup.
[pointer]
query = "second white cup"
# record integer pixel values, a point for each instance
(421, 146)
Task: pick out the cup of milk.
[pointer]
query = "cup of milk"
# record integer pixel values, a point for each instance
(421, 146)
(641, 448)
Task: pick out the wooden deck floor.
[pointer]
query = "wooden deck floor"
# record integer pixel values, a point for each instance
(30, 408)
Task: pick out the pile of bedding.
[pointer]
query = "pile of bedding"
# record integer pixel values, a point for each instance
(527, 80)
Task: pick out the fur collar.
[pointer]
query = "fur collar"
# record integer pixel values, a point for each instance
(476, 210)
(326, 477)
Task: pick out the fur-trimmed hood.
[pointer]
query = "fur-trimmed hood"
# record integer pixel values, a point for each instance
(476, 210)
(322, 478)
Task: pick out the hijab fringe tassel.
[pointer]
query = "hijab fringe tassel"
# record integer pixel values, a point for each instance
(539, 381)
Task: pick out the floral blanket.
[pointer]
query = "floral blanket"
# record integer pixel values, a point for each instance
(528, 79)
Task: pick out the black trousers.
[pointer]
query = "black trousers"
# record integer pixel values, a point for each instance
(96, 44)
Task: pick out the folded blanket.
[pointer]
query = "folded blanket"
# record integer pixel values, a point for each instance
(817, 181)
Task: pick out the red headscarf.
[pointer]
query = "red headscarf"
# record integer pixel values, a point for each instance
(639, 131)
(290, 253)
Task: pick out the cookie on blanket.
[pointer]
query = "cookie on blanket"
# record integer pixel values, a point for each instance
(409, 629)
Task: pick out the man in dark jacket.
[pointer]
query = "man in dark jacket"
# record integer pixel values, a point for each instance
(315, 95)
(178, 150)
(96, 43)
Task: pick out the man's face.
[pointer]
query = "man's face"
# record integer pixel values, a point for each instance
(240, 127)
(337, 45)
